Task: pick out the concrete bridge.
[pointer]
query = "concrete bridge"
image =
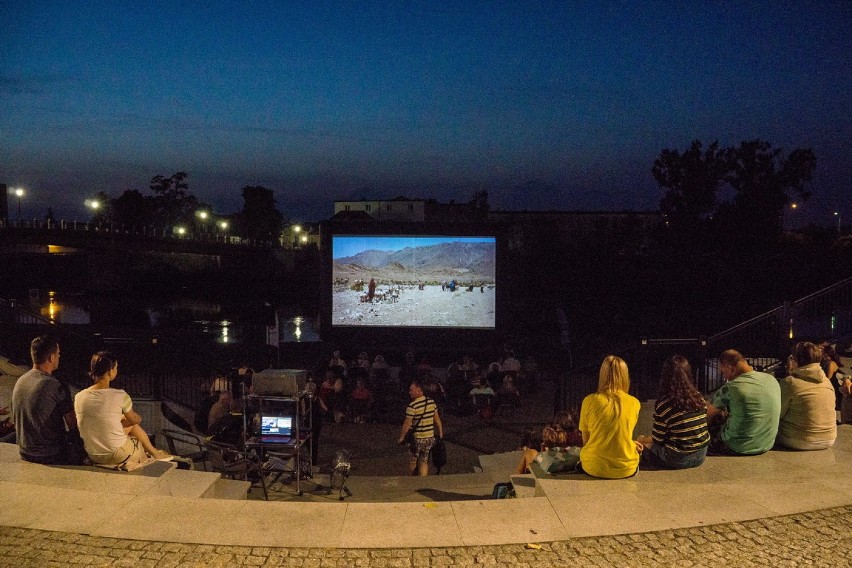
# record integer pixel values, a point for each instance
(51, 237)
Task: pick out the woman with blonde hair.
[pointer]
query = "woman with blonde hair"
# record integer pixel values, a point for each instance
(607, 420)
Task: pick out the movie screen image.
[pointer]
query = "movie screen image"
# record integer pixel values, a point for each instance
(413, 281)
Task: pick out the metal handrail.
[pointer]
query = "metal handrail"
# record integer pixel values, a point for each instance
(24, 316)
(824, 291)
(798, 303)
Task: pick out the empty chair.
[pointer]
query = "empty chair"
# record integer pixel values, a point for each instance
(186, 445)
(232, 463)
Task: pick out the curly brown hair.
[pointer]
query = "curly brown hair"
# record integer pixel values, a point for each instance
(676, 383)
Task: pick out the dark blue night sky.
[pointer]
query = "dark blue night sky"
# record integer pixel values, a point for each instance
(318, 100)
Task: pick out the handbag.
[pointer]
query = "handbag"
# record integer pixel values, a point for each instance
(558, 460)
(439, 454)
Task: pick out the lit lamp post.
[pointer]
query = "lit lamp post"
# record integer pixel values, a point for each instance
(836, 214)
(19, 193)
(296, 230)
(202, 216)
(94, 205)
(223, 228)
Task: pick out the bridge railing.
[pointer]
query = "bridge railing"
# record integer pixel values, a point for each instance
(143, 231)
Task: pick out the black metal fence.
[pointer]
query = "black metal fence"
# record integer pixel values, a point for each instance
(764, 340)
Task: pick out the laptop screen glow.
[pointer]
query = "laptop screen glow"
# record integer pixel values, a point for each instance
(276, 425)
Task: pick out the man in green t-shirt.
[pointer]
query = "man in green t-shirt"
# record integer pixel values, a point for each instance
(744, 412)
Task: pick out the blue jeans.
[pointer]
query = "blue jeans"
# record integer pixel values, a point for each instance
(660, 456)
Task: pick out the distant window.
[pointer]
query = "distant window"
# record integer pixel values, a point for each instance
(367, 207)
(346, 207)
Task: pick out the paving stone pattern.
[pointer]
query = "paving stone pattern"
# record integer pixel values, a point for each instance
(818, 538)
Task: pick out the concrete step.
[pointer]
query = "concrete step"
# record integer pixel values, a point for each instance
(184, 483)
(227, 489)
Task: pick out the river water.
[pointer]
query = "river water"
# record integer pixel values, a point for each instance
(202, 318)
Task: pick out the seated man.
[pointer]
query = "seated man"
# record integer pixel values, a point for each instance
(744, 412)
(808, 419)
(42, 408)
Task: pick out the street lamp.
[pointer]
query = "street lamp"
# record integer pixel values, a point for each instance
(19, 192)
(223, 225)
(836, 214)
(93, 204)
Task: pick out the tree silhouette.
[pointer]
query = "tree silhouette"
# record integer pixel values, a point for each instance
(259, 218)
(174, 204)
(131, 208)
(692, 179)
(765, 181)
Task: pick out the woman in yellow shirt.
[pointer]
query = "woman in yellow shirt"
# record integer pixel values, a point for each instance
(607, 420)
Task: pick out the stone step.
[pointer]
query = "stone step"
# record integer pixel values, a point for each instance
(227, 489)
(184, 483)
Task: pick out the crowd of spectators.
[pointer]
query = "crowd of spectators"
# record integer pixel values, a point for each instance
(752, 413)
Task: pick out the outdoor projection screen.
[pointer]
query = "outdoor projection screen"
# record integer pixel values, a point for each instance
(420, 281)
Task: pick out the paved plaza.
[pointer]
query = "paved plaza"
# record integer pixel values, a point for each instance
(778, 509)
(818, 538)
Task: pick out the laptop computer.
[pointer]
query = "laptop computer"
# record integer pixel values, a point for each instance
(276, 429)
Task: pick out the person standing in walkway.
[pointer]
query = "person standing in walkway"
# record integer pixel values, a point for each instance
(423, 419)
(607, 420)
(42, 408)
(745, 410)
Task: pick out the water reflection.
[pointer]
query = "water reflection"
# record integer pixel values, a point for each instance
(63, 311)
(197, 317)
(299, 329)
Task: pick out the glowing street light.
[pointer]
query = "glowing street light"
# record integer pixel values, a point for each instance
(203, 215)
(836, 214)
(19, 193)
(93, 204)
(180, 230)
(223, 225)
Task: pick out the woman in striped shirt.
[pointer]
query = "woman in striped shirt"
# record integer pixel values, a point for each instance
(680, 437)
